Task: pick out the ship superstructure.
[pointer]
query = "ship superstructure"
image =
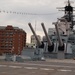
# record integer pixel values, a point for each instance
(65, 28)
(63, 38)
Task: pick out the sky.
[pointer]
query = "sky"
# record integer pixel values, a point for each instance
(33, 7)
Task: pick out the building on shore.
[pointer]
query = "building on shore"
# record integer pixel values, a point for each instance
(12, 39)
(33, 39)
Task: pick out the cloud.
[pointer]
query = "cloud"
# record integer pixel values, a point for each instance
(30, 6)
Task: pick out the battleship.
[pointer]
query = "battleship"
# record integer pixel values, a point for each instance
(59, 45)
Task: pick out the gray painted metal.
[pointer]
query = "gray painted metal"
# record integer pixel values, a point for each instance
(59, 38)
(38, 42)
(47, 37)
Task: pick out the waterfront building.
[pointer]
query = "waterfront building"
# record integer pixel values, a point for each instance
(12, 39)
(33, 39)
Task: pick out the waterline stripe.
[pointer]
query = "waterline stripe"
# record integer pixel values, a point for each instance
(3, 65)
(15, 66)
(46, 69)
(63, 70)
(30, 68)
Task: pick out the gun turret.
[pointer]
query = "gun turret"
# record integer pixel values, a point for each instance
(40, 45)
(50, 44)
(61, 44)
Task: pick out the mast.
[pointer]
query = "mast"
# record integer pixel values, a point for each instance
(68, 13)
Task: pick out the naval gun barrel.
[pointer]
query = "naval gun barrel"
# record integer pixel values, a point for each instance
(50, 44)
(47, 37)
(59, 38)
(38, 42)
(61, 44)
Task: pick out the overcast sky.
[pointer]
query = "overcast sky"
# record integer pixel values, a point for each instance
(34, 7)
